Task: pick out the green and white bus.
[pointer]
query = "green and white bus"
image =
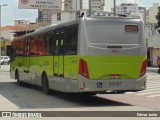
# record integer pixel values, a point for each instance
(87, 55)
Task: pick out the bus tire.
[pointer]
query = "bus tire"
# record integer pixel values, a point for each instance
(17, 77)
(45, 85)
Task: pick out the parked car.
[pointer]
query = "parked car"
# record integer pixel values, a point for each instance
(5, 60)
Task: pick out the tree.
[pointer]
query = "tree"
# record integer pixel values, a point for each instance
(158, 19)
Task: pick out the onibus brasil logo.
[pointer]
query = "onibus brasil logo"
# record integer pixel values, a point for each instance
(24, 1)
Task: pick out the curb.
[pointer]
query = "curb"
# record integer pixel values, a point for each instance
(5, 68)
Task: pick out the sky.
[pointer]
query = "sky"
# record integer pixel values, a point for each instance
(12, 12)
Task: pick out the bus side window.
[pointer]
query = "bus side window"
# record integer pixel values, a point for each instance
(34, 45)
(25, 47)
(71, 41)
(13, 50)
(21, 48)
(51, 43)
(17, 48)
(46, 37)
(41, 45)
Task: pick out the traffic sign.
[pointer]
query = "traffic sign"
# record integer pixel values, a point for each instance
(40, 4)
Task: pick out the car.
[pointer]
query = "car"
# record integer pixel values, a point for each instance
(5, 59)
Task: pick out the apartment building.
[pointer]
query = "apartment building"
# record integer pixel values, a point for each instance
(74, 5)
(108, 5)
(127, 8)
(152, 12)
(143, 14)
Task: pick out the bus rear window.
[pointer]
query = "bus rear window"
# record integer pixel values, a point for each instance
(111, 33)
(131, 28)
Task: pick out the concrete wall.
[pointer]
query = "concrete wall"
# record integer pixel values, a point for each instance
(7, 34)
(153, 12)
(155, 53)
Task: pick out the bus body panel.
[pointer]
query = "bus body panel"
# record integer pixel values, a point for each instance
(38, 65)
(102, 67)
(127, 85)
(71, 67)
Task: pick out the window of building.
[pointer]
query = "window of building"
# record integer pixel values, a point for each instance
(58, 16)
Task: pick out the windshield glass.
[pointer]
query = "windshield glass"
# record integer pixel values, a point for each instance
(110, 33)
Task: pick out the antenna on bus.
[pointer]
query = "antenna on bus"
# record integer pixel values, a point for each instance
(82, 15)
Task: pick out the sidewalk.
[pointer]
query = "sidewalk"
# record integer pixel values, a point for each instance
(152, 69)
(5, 68)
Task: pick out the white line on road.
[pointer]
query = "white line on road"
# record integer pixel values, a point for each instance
(157, 95)
(147, 93)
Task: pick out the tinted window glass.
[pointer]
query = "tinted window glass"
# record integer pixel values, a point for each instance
(51, 43)
(21, 47)
(71, 41)
(41, 46)
(34, 45)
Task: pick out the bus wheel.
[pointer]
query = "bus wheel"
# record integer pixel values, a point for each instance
(45, 85)
(17, 78)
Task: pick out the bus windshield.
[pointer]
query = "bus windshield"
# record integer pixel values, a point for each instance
(111, 33)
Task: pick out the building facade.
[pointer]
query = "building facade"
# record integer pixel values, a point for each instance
(75, 5)
(108, 5)
(143, 14)
(152, 12)
(127, 8)
(45, 15)
(9, 32)
(153, 43)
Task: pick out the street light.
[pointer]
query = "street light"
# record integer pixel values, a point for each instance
(0, 30)
(90, 8)
(114, 7)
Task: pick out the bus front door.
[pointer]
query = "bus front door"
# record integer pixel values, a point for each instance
(59, 57)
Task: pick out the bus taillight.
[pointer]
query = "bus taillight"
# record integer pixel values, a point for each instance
(83, 68)
(143, 68)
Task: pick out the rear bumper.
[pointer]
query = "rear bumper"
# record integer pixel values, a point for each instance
(86, 85)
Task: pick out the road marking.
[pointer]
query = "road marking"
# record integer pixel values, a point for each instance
(152, 90)
(154, 95)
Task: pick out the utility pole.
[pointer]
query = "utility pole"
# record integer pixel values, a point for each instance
(75, 10)
(114, 7)
(0, 31)
(90, 11)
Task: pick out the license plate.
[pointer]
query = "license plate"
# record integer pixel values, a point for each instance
(115, 84)
(115, 76)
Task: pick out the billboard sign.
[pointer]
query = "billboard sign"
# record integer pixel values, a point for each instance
(40, 4)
